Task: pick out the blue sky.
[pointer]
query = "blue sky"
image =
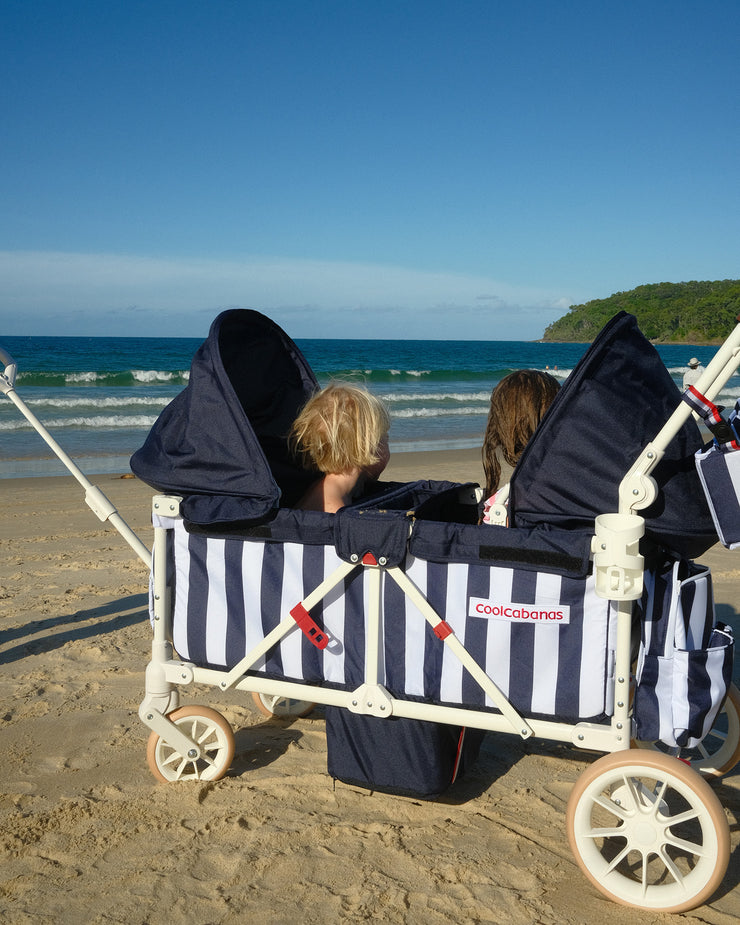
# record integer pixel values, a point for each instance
(360, 168)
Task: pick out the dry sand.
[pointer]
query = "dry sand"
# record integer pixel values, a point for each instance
(89, 836)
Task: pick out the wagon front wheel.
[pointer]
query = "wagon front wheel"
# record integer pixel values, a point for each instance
(648, 831)
(213, 735)
(276, 705)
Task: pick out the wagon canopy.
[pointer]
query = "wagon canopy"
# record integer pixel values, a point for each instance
(221, 443)
(612, 405)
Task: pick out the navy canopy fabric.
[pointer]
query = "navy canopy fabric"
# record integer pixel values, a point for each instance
(611, 406)
(221, 443)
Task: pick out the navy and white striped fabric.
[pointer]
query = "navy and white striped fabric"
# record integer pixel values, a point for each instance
(544, 668)
(231, 592)
(724, 432)
(685, 663)
(719, 473)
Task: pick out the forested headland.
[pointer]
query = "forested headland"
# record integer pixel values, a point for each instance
(667, 313)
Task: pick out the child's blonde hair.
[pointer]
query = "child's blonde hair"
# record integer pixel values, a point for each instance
(518, 404)
(340, 428)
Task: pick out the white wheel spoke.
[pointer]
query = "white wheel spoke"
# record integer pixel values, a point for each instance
(616, 809)
(716, 734)
(644, 875)
(616, 832)
(618, 859)
(689, 847)
(207, 733)
(632, 788)
(687, 816)
(210, 757)
(671, 866)
(662, 787)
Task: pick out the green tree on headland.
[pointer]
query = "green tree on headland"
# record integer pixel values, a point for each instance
(667, 313)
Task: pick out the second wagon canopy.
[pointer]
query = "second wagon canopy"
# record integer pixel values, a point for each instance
(612, 405)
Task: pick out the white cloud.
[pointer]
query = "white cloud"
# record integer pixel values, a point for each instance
(70, 293)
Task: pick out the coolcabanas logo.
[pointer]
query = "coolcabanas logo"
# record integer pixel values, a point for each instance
(518, 613)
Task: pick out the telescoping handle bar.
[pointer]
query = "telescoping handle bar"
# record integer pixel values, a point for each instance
(11, 368)
(637, 489)
(618, 565)
(100, 505)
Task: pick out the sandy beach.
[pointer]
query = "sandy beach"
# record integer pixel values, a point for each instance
(87, 834)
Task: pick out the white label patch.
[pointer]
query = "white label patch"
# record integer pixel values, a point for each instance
(519, 613)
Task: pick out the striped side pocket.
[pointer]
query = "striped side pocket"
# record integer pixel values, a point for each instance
(685, 661)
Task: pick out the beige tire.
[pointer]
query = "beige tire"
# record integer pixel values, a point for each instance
(275, 705)
(209, 730)
(648, 831)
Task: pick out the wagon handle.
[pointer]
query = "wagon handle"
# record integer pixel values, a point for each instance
(7, 378)
(638, 489)
(99, 504)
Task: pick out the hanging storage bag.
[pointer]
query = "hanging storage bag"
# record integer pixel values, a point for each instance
(720, 478)
(718, 466)
(684, 665)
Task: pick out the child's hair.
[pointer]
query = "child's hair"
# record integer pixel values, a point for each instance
(518, 404)
(340, 428)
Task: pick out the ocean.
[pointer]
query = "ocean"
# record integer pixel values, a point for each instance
(99, 396)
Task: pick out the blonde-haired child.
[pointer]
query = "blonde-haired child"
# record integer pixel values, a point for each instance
(342, 432)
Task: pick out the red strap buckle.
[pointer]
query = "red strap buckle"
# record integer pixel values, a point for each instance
(442, 630)
(309, 626)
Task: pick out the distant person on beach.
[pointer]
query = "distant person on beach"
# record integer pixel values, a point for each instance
(691, 376)
(518, 404)
(342, 432)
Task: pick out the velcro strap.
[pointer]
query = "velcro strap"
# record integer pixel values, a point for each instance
(711, 414)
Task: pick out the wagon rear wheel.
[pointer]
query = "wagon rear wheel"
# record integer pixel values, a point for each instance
(211, 732)
(719, 751)
(276, 705)
(648, 831)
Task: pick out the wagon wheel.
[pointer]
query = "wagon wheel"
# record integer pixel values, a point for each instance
(719, 751)
(212, 733)
(276, 705)
(648, 831)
